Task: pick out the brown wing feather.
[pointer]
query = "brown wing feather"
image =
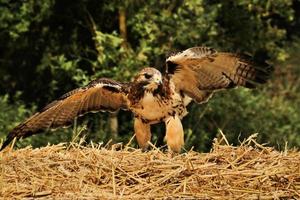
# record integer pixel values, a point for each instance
(199, 71)
(99, 95)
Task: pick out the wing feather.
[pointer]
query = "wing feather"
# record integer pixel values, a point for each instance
(199, 71)
(99, 95)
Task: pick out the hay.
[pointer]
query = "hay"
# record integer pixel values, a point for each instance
(250, 171)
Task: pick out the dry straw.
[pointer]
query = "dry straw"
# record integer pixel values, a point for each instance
(250, 171)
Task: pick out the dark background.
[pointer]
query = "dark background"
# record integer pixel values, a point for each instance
(49, 47)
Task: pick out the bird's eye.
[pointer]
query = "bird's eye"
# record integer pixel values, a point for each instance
(147, 76)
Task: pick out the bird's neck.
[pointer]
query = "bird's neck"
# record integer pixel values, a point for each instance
(164, 89)
(137, 91)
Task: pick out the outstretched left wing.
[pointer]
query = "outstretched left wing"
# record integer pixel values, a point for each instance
(100, 95)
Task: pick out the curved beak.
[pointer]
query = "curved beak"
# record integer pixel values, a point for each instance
(158, 81)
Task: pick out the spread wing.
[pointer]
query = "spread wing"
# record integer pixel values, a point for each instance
(100, 95)
(199, 71)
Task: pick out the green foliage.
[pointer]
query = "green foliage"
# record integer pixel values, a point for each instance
(16, 17)
(49, 47)
(113, 60)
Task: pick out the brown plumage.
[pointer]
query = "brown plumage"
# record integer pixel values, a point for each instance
(194, 74)
(208, 71)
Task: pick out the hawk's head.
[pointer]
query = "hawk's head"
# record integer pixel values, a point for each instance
(149, 77)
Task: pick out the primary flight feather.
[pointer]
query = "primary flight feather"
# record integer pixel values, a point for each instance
(193, 74)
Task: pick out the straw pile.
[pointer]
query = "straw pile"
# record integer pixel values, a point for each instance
(250, 171)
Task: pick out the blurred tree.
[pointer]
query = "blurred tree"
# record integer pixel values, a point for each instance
(49, 47)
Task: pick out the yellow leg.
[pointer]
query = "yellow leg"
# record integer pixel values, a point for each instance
(174, 134)
(142, 133)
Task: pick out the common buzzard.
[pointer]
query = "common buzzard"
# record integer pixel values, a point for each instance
(153, 97)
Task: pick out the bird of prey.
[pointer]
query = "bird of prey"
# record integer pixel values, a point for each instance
(153, 97)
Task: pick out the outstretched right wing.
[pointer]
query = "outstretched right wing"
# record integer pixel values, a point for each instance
(200, 71)
(100, 95)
